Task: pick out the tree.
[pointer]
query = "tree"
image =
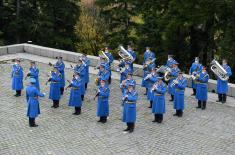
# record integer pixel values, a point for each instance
(90, 30)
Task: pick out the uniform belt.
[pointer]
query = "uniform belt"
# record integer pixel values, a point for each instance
(202, 83)
(130, 102)
(54, 82)
(179, 89)
(158, 94)
(74, 88)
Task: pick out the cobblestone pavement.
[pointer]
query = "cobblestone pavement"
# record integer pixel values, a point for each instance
(60, 133)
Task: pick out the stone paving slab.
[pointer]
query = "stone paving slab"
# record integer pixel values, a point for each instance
(60, 133)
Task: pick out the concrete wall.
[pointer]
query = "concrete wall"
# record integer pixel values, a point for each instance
(73, 57)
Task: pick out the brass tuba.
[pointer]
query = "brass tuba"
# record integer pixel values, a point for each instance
(165, 71)
(218, 70)
(124, 54)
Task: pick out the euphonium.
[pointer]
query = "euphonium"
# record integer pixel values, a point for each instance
(104, 56)
(218, 70)
(166, 71)
(124, 54)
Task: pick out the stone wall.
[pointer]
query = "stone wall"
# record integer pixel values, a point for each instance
(73, 57)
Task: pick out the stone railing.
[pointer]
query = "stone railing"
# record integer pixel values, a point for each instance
(73, 57)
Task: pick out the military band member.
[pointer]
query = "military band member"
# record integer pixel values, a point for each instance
(180, 85)
(103, 102)
(146, 71)
(55, 85)
(202, 88)
(222, 86)
(173, 74)
(125, 83)
(17, 76)
(124, 73)
(32, 94)
(34, 73)
(170, 61)
(159, 89)
(110, 56)
(75, 93)
(103, 74)
(60, 65)
(194, 70)
(87, 64)
(150, 80)
(132, 52)
(129, 109)
(148, 54)
(81, 69)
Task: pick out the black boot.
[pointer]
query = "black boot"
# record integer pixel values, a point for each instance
(160, 118)
(61, 90)
(79, 111)
(82, 97)
(85, 86)
(219, 98)
(224, 98)
(194, 92)
(203, 105)
(34, 124)
(155, 118)
(172, 98)
(75, 111)
(176, 113)
(30, 122)
(151, 104)
(199, 104)
(18, 93)
(180, 113)
(104, 120)
(132, 126)
(128, 127)
(57, 104)
(53, 106)
(101, 118)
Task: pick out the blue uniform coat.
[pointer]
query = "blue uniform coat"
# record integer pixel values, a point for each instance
(124, 74)
(81, 69)
(150, 82)
(174, 74)
(179, 94)
(134, 57)
(124, 86)
(222, 86)
(87, 64)
(103, 101)
(194, 69)
(202, 87)
(55, 86)
(75, 93)
(32, 94)
(61, 66)
(17, 76)
(146, 71)
(129, 108)
(34, 73)
(159, 99)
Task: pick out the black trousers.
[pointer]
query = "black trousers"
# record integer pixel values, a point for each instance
(61, 90)
(179, 113)
(110, 79)
(77, 110)
(194, 91)
(222, 97)
(151, 104)
(82, 97)
(31, 121)
(130, 126)
(56, 103)
(18, 92)
(158, 118)
(201, 104)
(172, 97)
(85, 86)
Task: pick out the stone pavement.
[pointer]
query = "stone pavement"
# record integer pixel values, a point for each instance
(60, 133)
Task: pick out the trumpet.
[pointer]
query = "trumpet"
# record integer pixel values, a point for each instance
(174, 82)
(149, 62)
(148, 76)
(97, 94)
(194, 77)
(97, 81)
